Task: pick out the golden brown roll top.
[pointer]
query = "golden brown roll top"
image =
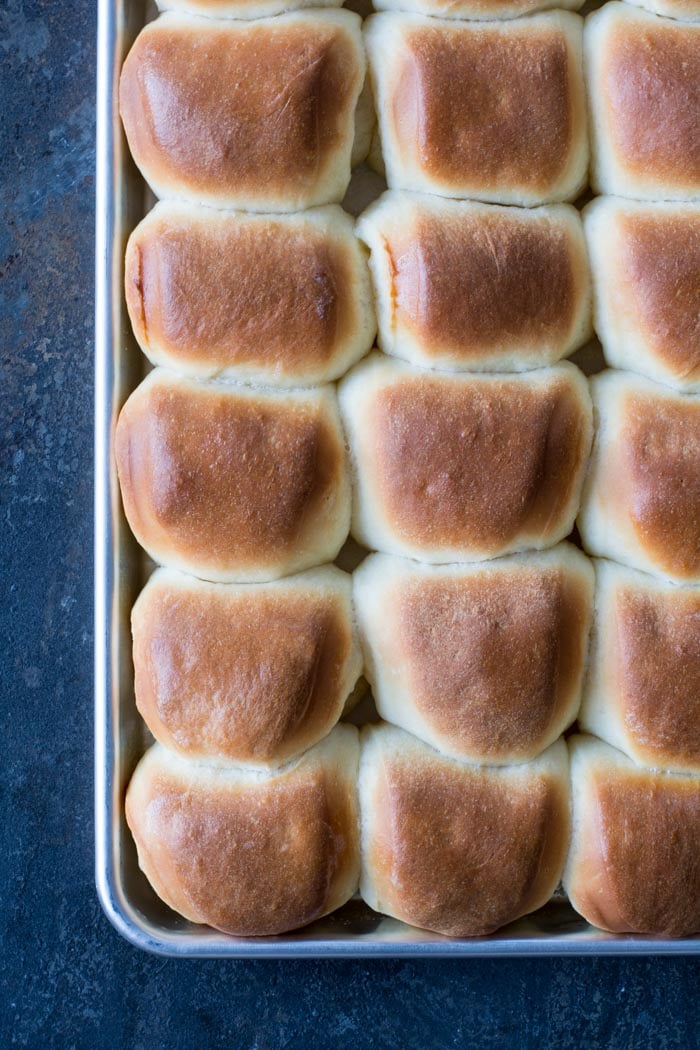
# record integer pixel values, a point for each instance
(458, 849)
(633, 864)
(232, 483)
(643, 80)
(251, 673)
(477, 10)
(280, 299)
(494, 112)
(253, 115)
(641, 501)
(642, 693)
(477, 287)
(247, 853)
(483, 662)
(460, 468)
(645, 260)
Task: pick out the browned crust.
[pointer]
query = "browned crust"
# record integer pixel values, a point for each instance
(493, 660)
(478, 464)
(658, 475)
(224, 480)
(460, 851)
(638, 854)
(477, 282)
(487, 107)
(650, 81)
(233, 293)
(657, 645)
(243, 110)
(659, 261)
(254, 676)
(254, 860)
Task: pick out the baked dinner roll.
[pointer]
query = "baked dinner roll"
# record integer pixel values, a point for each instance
(643, 78)
(455, 848)
(253, 115)
(483, 662)
(253, 673)
(280, 299)
(643, 688)
(477, 287)
(633, 862)
(233, 483)
(492, 111)
(241, 8)
(646, 276)
(249, 853)
(477, 10)
(641, 501)
(449, 467)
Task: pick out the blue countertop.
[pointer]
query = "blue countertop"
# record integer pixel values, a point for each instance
(67, 977)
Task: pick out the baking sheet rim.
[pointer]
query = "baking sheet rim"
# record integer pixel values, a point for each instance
(119, 909)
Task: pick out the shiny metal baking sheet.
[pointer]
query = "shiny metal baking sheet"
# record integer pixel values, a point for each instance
(120, 570)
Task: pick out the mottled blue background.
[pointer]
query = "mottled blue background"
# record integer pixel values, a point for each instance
(67, 978)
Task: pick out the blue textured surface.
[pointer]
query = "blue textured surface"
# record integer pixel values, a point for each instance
(67, 978)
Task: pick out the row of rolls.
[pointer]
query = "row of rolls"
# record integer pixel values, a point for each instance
(460, 812)
(463, 454)
(269, 115)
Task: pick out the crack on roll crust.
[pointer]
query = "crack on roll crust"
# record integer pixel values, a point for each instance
(394, 272)
(137, 288)
(207, 107)
(658, 672)
(659, 260)
(473, 283)
(485, 107)
(650, 84)
(491, 660)
(248, 676)
(441, 447)
(659, 473)
(462, 851)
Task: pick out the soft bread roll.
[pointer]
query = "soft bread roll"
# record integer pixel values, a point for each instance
(633, 864)
(253, 673)
(253, 115)
(493, 111)
(645, 260)
(643, 79)
(241, 8)
(454, 848)
(642, 693)
(249, 853)
(449, 467)
(477, 287)
(233, 483)
(483, 662)
(641, 500)
(280, 299)
(478, 10)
